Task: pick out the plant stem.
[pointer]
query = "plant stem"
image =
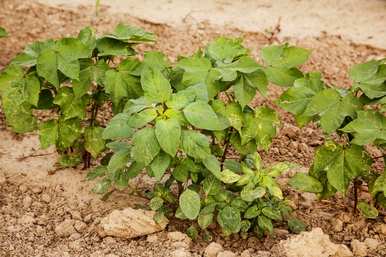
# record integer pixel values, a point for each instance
(87, 155)
(356, 184)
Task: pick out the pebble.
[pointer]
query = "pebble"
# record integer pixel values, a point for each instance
(181, 253)
(109, 240)
(27, 219)
(263, 254)
(80, 226)
(76, 215)
(213, 249)
(66, 228)
(75, 236)
(226, 254)
(177, 236)
(23, 188)
(337, 225)
(3, 179)
(152, 238)
(27, 202)
(88, 218)
(359, 248)
(371, 243)
(36, 189)
(245, 253)
(382, 229)
(46, 198)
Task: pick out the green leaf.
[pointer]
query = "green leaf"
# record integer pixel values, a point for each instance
(284, 56)
(47, 66)
(69, 131)
(296, 226)
(270, 212)
(102, 187)
(282, 76)
(211, 185)
(244, 93)
(370, 126)
(195, 68)
(48, 133)
(245, 65)
(113, 47)
(257, 80)
(267, 122)
(234, 114)
(252, 212)
(119, 160)
(306, 183)
(229, 219)
(213, 165)
(250, 193)
(131, 34)
(116, 86)
(379, 185)
(159, 165)
(190, 204)
(364, 71)
(195, 144)
(140, 119)
(367, 210)
(93, 141)
(168, 133)
(3, 32)
(98, 171)
(71, 49)
(156, 60)
(265, 224)
(155, 86)
(145, 146)
(32, 90)
(204, 220)
(225, 49)
(69, 160)
(118, 127)
(156, 203)
(201, 115)
(229, 177)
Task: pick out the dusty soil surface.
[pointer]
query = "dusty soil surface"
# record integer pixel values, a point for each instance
(33, 203)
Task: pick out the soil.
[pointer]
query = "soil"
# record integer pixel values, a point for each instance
(33, 203)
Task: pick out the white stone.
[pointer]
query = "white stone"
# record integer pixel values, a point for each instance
(371, 243)
(359, 248)
(130, 223)
(181, 253)
(226, 254)
(66, 228)
(213, 249)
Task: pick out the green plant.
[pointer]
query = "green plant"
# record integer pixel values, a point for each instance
(196, 132)
(72, 78)
(354, 118)
(3, 32)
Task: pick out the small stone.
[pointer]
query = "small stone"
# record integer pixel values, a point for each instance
(359, 248)
(337, 225)
(308, 199)
(36, 189)
(27, 219)
(27, 202)
(371, 243)
(226, 254)
(88, 218)
(381, 228)
(213, 249)
(180, 244)
(129, 223)
(177, 236)
(46, 198)
(66, 228)
(3, 179)
(181, 253)
(75, 236)
(76, 215)
(109, 240)
(290, 131)
(263, 254)
(23, 188)
(152, 238)
(245, 253)
(80, 226)
(343, 251)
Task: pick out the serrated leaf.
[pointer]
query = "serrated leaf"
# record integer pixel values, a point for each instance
(195, 144)
(284, 56)
(168, 133)
(93, 141)
(190, 204)
(225, 49)
(306, 183)
(201, 115)
(195, 68)
(282, 76)
(155, 86)
(48, 133)
(145, 146)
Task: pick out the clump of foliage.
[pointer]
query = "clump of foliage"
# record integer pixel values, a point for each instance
(195, 131)
(3, 32)
(73, 78)
(357, 117)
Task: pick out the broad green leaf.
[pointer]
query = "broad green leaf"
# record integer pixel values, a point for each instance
(181, 171)
(371, 90)
(306, 183)
(69, 131)
(367, 210)
(296, 226)
(245, 64)
(379, 185)
(233, 112)
(145, 146)
(71, 106)
(243, 91)
(249, 193)
(252, 212)
(284, 56)
(3, 32)
(93, 141)
(140, 119)
(87, 37)
(118, 127)
(113, 47)
(159, 165)
(156, 203)
(364, 71)
(211, 185)
(47, 66)
(229, 177)
(272, 213)
(257, 80)
(131, 34)
(48, 133)
(32, 90)
(195, 144)
(71, 49)
(229, 219)
(369, 127)
(201, 115)
(119, 160)
(116, 146)
(190, 204)
(9, 75)
(156, 60)
(155, 86)
(265, 224)
(267, 122)
(168, 133)
(204, 220)
(213, 165)
(116, 86)
(98, 171)
(195, 68)
(69, 160)
(282, 76)
(225, 50)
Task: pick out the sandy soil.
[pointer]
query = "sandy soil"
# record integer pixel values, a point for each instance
(33, 203)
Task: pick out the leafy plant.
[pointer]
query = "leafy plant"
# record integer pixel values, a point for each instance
(196, 132)
(356, 116)
(3, 32)
(72, 78)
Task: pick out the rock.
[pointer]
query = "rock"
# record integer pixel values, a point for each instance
(181, 253)
(152, 238)
(213, 249)
(76, 215)
(290, 131)
(245, 253)
(308, 199)
(180, 244)
(337, 225)
(23, 188)
(109, 240)
(3, 179)
(178, 236)
(75, 236)
(129, 223)
(312, 244)
(66, 228)
(27, 219)
(359, 248)
(226, 254)
(80, 226)
(263, 254)
(381, 228)
(27, 202)
(371, 243)
(36, 189)
(46, 198)
(88, 218)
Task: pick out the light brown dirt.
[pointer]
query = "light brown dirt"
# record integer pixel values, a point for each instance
(28, 219)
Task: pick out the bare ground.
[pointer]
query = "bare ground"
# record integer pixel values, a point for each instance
(33, 203)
